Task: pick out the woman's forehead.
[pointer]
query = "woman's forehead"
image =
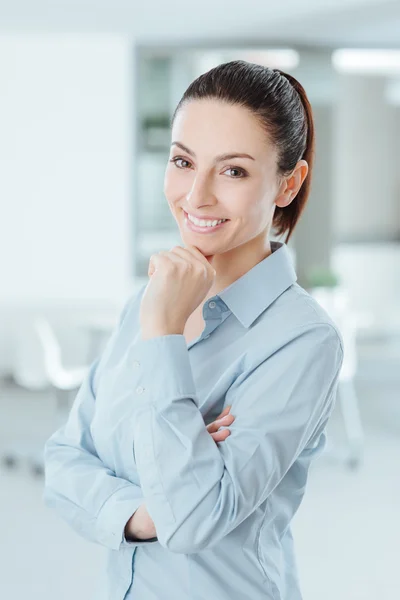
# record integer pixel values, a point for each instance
(229, 128)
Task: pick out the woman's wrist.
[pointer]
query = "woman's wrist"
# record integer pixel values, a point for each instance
(133, 530)
(140, 526)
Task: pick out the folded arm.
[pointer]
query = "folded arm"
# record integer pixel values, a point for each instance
(86, 494)
(195, 491)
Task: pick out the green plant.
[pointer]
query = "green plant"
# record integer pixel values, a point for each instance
(322, 277)
(160, 120)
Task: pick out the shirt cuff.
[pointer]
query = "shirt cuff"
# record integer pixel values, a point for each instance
(160, 371)
(114, 515)
(133, 543)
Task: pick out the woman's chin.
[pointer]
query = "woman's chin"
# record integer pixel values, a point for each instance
(207, 248)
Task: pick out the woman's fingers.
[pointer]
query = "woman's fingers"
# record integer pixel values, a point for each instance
(224, 412)
(215, 425)
(223, 419)
(220, 436)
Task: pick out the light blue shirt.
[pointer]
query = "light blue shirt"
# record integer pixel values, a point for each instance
(137, 434)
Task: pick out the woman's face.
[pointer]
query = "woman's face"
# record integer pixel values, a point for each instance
(209, 176)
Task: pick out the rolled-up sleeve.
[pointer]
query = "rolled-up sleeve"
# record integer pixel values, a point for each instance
(196, 491)
(84, 492)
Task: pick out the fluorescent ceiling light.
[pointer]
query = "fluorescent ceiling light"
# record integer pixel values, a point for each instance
(279, 58)
(276, 58)
(376, 62)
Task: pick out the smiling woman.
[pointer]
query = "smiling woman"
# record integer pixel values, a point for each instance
(242, 150)
(221, 323)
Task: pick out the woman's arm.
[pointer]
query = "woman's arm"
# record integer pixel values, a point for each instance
(85, 493)
(195, 492)
(140, 525)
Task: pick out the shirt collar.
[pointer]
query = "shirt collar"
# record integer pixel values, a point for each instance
(251, 294)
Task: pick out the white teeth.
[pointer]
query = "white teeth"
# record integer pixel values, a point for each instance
(203, 223)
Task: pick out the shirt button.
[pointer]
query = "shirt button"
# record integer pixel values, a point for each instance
(136, 363)
(212, 304)
(139, 389)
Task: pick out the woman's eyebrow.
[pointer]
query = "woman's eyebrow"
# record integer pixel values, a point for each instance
(227, 156)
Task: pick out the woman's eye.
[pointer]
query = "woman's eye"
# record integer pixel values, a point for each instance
(236, 170)
(182, 160)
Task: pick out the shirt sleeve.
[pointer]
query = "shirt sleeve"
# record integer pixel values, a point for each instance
(85, 493)
(196, 491)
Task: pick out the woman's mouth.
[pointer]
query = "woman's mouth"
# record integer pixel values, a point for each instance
(202, 229)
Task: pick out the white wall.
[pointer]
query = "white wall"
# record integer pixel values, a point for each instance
(65, 185)
(66, 115)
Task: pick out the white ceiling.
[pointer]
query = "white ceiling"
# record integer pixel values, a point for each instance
(322, 22)
(375, 24)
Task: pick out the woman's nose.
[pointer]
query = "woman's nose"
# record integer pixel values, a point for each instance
(200, 192)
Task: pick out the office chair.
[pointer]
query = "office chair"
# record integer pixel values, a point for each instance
(347, 323)
(51, 376)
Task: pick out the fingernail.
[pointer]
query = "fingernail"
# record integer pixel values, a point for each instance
(225, 418)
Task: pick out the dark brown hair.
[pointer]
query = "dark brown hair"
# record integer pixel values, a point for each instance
(280, 103)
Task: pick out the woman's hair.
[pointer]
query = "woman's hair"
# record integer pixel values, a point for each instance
(281, 105)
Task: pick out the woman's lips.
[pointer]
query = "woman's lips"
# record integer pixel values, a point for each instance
(198, 229)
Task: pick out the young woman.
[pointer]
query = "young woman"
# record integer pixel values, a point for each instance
(221, 323)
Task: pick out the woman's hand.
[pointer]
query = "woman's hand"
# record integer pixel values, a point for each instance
(179, 280)
(141, 526)
(223, 419)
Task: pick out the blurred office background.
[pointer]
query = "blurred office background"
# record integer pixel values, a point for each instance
(86, 92)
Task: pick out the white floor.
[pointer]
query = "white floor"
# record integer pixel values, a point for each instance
(347, 530)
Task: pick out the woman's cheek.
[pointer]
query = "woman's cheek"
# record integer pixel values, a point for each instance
(174, 187)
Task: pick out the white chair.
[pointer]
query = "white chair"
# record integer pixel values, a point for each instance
(39, 366)
(58, 376)
(335, 302)
(347, 394)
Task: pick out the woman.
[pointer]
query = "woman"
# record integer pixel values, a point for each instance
(221, 323)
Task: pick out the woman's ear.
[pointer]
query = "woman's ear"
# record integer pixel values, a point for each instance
(291, 184)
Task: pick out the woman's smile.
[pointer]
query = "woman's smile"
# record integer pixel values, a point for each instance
(202, 229)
